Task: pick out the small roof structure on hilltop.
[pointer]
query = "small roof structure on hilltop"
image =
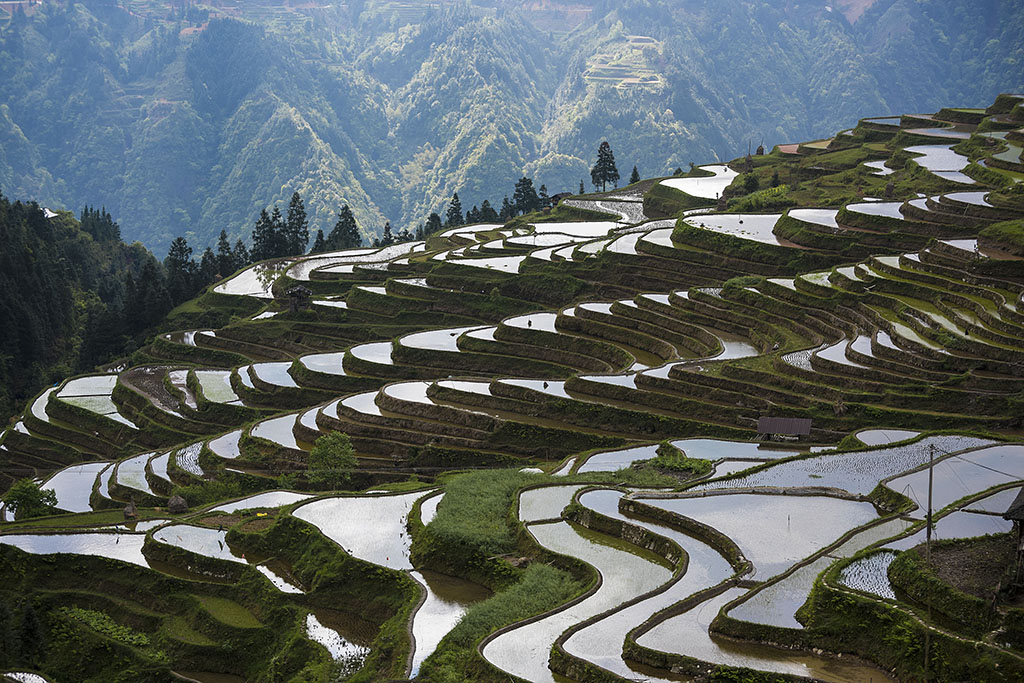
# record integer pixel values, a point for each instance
(1015, 513)
(788, 426)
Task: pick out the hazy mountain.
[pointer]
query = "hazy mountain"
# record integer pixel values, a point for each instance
(190, 121)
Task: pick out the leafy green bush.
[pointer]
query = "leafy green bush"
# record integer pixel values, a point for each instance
(101, 623)
(671, 458)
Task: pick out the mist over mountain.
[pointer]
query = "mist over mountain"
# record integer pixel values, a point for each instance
(189, 120)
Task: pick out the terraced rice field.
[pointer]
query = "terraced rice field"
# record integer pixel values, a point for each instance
(559, 473)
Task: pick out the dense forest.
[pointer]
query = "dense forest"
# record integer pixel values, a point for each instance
(390, 108)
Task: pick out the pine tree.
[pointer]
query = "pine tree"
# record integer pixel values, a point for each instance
(345, 234)
(473, 216)
(387, 238)
(240, 254)
(453, 217)
(487, 213)
(545, 200)
(225, 259)
(433, 224)
(604, 170)
(263, 238)
(318, 243)
(634, 177)
(296, 232)
(508, 211)
(279, 234)
(525, 198)
(181, 270)
(583, 190)
(207, 268)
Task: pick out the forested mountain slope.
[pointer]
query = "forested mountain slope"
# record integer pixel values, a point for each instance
(186, 122)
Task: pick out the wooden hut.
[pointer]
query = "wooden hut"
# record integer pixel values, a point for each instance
(1015, 514)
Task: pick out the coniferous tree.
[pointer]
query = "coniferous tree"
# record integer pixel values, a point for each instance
(387, 238)
(296, 232)
(181, 270)
(433, 224)
(583, 190)
(263, 238)
(473, 215)
(525, 198)
(453, 217)
(279, 234)
(404, 236)
(487, 213)
(508, 211)
(604, 170)
(545, 200)
(207, 268)
(318, 244)
(345, 233)
(225, 258)
(634, 177)
(240, 254)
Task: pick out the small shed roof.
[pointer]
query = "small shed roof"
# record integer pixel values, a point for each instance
(793, 426)
(1015, 512)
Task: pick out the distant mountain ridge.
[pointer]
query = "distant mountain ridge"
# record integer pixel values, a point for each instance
(180, 122)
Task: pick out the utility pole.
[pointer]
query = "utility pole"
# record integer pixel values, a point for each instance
(928, 557)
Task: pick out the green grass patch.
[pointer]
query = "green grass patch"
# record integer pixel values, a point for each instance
(228, 612)
(178, 629)
(671, 458)
(102, 623)
(1007, 235)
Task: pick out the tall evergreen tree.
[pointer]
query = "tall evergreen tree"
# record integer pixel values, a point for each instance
(453, 217)
(487, 213)
(263, 238)
(583, 190)
(319, 245)
(508, 210)
(207, 268)
(634, 177)
(604, 170)
(545, 200)
(387, 238)
(240, 254)
(345, 234)
(279, 234)
(433, 224)
(525, 198)
(225, 258)
(296, 232)
(181, 270)
(473, 215)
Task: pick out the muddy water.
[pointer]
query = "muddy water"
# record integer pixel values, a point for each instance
(73, 485)
(855, 471)
(776, 605)
(773, 532)
(687, 634)
(124, 547)
(523, 651)
(447, 600)
(345, 639)
(545, 502)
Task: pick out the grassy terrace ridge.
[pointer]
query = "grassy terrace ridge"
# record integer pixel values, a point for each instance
(483, 378)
